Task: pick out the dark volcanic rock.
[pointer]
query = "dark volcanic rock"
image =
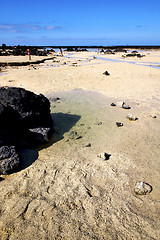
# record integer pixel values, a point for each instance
(25, 117)
(113, 105)
(120, 50)
(33, 110)
(108, 51)
(25, 121)
(104, 155)
(119, 124)
(10, 128)
(9, 159)
(133, 55)
(106, 73)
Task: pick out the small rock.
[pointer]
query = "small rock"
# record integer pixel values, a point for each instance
(88, 145)
(142, 188)
(126, 106)
(99, 123)
(74, 135)
(131, 117)
(153, 116)
(106, 73)
(78, 137)
(104, 155)
(55, 99)
(119, 124)
(113, 104)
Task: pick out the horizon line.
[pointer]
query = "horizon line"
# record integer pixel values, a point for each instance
(84, 46)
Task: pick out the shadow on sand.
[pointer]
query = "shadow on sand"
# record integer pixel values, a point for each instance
(62, 123)
(27, 156)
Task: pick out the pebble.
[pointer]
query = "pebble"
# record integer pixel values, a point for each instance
(74, 135)
(78, 137)
(126, 106)
(99, 123)
(88, 145)
(142, 188)
(106, 73)
(119, 124)
(132, 117)
(113, 104)
(104, 155)
(55, 99)
(153, 116)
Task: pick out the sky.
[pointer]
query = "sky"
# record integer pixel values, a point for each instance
(80, 22)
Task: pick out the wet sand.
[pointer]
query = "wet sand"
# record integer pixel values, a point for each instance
(66, 190)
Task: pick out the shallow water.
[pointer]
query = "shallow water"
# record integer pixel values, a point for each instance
(2, 73)
(147, 64)
(91, 116)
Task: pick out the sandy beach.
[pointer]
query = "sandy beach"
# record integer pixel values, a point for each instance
(64, 190)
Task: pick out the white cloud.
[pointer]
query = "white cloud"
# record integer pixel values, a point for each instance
(51, 27)
(26, 27)
(6, 27)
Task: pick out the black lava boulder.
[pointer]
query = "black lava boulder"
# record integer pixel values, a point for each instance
(25, 120)
(24, 116)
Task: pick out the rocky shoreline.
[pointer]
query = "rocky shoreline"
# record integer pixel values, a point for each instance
(26, 63)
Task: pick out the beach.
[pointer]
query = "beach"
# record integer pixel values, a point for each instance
(65, 189)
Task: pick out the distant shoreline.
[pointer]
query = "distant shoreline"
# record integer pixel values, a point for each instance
(85, 46)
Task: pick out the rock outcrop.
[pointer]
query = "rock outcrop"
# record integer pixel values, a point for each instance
(22, 51)
(133, 54)
(25, 121)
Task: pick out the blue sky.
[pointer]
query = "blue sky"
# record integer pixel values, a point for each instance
(84, 22)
